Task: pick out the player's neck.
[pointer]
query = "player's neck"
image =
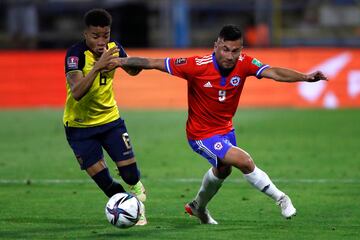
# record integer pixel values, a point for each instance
(225, 71)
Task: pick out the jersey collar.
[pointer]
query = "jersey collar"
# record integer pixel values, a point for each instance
(217, 67)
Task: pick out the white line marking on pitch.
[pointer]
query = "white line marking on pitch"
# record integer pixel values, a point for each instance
(178, 180)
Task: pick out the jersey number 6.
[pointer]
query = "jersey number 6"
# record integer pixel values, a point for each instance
(126, 139)
(102, 79)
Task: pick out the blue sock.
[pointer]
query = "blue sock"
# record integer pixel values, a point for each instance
(130, 173)
(106, 183)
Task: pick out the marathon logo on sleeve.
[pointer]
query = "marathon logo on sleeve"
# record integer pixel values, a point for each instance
(256, 62)
(72, 62)
(180, 61)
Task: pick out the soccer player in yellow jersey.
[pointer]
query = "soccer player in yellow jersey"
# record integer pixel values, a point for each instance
(91, 117)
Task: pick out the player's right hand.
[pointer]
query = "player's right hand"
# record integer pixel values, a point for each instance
(316, 76)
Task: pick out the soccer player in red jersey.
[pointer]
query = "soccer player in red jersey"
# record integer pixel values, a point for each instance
(215, 83)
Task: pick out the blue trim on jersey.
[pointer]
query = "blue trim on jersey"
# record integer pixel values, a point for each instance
(223, 79)
(260, 70)
(215, 62)
(167, 65)
(122, 52)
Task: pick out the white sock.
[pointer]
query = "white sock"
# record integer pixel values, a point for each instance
(260, 180)
(210, 185)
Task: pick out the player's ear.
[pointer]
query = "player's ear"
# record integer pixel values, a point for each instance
(85, 33)
(215, 44)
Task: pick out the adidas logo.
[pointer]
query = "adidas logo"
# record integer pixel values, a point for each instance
(208, 85)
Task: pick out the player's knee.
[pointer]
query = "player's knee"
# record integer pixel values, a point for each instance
(130, 173)
(245, 163)
(247, 166)
(224, 171)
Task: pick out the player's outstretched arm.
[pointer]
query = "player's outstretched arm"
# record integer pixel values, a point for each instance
(142, 63)
(289, 75)
(132, 71)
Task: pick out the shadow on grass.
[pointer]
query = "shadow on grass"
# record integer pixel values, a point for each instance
(46, 228)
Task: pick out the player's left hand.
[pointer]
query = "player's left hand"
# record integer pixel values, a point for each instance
(107, 59)
(316, 76)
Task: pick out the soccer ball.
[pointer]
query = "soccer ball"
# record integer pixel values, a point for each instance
(123, 210)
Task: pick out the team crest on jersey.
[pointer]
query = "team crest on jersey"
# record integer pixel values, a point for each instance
(235, 81)
(180, 61)
(72, 62)
(218, 146)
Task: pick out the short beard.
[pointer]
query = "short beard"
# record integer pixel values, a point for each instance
(225, 71)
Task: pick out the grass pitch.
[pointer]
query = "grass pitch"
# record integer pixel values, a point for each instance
(313, 155)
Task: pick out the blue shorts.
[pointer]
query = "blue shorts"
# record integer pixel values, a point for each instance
(215, 147)
(88, 143)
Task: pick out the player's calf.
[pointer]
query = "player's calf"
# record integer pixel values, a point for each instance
(106, 183)
(130, 173)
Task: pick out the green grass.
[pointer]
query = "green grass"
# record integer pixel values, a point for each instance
(313, 155)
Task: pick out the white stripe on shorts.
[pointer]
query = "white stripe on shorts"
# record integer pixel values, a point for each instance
(206, 150)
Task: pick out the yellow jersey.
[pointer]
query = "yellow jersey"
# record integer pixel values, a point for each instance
(98, 105)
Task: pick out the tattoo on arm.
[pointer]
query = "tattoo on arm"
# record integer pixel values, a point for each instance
(143, 63)
(72, 77)
(138, 62)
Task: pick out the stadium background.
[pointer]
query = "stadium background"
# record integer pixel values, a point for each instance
(312, 154)
(303, 35)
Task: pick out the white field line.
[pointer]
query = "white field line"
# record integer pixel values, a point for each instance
(178, 180)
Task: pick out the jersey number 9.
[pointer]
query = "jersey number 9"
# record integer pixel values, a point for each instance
(222, 95)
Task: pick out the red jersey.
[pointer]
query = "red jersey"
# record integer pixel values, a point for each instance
(212, 98)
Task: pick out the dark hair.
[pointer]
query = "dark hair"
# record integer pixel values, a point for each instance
(230, 33)
(97, 17)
